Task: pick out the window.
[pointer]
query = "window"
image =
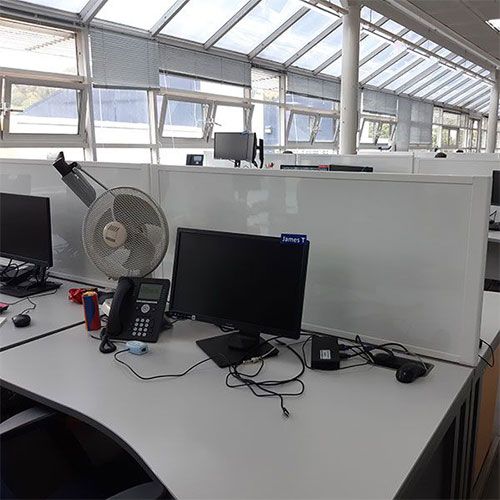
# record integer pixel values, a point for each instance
(121, 116)
(376, 132)
(36, 48)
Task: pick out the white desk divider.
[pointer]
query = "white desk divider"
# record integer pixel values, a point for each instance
(458, 165)
(394, 257)
(39, 178)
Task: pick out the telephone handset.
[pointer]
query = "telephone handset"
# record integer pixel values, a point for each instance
(137, 309)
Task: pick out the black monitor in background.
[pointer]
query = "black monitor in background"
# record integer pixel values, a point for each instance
(235, 146)
(304, 167)
(194, 160)
(495, 188)
(249, 283)
(25, 237)
(349, 168)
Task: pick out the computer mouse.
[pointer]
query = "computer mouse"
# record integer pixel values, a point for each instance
(21, 320)
(409, 372)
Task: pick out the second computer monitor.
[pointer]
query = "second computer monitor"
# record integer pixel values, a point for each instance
(349, 168)
(236, 146)
(495, 188)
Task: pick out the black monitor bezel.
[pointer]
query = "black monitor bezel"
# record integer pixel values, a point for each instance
(239, 325)
(495, 183)
(30, 260)
(254, 148)
(349, 168)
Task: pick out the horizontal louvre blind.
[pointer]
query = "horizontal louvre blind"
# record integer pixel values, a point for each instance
(124, 60)
(379, 102)
(313, 87)
(203, 65)
(414, 123)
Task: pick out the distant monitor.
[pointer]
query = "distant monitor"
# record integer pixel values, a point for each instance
(299, 167)
(250, 283)
(495, 188)
(194, 160)
(236, 146)
(349, 168)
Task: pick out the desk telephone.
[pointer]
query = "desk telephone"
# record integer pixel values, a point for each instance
(137, 309)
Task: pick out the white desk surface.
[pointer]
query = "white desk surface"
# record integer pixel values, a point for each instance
(353, 434)
(494, 236)
(53, 313)
(490, 321)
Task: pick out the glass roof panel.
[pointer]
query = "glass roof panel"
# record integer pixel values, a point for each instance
(373, 64)
(67, 5)
(143, 14)
(335, 69)
(258, 24)
(322, 50)
(200, 19)
(297, 35)
(428, 78)
(370, 15)
(437, 84)
(464, 97)
(392, 26)
(411, 36)
(393, 69)
(443, 89)
(419, 68)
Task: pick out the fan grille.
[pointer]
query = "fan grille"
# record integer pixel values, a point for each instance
(147, 233)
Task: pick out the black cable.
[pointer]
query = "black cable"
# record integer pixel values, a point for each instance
(153, 377)
(30, 297)
(492, 364)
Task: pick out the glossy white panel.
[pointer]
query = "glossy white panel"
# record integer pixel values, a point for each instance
(456, 166)
(39, 178)
(393, 257)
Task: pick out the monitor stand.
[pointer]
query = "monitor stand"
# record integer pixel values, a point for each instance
(233, 348)
(29, 282)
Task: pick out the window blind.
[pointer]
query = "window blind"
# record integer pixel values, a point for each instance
(379, 102)
(414, 123)
(124, 60)
(204, 65)
(313, 87)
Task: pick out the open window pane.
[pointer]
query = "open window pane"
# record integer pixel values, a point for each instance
(321, 51)
(199, 19)
(68, 5)
(266, 124)
(194, 84)
(258, 24)
(310, 102)
(26, 46)
(139, 14)
(183, 119)
(121, 116)
(228, 119)
(300, 127)
(43, 110)
(326, 130)
(298, 35)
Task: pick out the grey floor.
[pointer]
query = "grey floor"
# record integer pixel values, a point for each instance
(492, 488)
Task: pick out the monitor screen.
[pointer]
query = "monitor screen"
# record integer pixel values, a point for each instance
(349, 168)
(299, 167)
(25, 230)
(254, 283)
(234, 146)
(495, 188)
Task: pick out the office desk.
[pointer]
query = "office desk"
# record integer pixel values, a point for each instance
(353, 434)
(52, 314)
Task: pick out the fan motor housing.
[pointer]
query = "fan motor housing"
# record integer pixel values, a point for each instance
(114, 234)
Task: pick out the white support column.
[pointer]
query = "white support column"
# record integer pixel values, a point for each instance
(350, 79)
(491, 137)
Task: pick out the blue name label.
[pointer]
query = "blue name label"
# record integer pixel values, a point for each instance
(293, 239)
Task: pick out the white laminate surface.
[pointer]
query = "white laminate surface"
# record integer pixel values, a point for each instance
(353, 434)
(494, 236)
(53, 312)
(490, 321)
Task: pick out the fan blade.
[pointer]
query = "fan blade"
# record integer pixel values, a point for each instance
(98, 238)
(142, 252)
(128, 207)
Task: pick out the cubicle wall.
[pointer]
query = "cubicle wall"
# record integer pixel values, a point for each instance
(39, 178)
(456, 166)
(393, 257)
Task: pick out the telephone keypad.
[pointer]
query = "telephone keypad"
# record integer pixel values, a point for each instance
(141, 326)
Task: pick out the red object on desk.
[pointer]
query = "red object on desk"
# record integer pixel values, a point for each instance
(76, 294)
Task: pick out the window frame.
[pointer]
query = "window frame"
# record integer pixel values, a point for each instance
(378, 120)
(13, 139)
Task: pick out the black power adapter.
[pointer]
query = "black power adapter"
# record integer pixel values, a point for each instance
(325, 353)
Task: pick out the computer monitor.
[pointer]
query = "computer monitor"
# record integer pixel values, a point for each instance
(252, 284)
(349, 168)
(26, 236)
(194, 160)
(495, 188)
(236, 146)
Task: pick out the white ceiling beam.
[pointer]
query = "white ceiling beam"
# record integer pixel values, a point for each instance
(230, 23)
(90, 9)
(431, 81)
(278, 32)
(417, 78)
(382, 68)
(463, 91)
(168, 16)
(446, 82)
(308, 46)
(439, 97)
(400, 73)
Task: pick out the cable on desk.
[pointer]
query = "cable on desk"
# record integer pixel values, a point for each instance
(29, 299)
(492, 364)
